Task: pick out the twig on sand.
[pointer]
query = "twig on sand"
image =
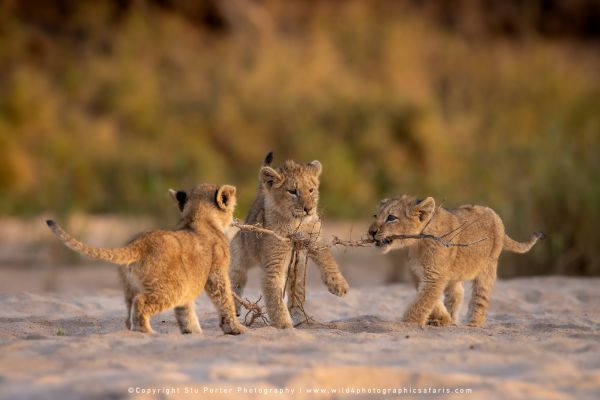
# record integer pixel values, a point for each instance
(254, 311)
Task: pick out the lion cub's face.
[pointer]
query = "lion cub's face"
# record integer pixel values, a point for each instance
(396, 216)
(206, 202)
(293, 189)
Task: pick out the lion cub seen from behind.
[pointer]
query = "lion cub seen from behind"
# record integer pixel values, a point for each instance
(164, 269)
(438, 270)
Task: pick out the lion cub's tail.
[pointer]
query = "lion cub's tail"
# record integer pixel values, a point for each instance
(522, 247)
(121, 256)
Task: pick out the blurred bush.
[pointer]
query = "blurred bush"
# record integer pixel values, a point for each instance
(105, 105)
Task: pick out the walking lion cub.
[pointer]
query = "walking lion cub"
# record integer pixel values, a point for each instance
(164, 269)
(437, 269)
(286, 201)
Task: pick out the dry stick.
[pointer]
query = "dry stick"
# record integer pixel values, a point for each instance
(293, 264)
(254, 310)
(438, 239)
(258, 229)
(306, 240)
(461, 228)
(336, 241)
(296, 301)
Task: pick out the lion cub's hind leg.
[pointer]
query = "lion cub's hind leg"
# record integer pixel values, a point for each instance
(129, 303)
(142, 308)
(218, 289)
(187, 319)
(129, 294)
(454, 294)
(480, 298)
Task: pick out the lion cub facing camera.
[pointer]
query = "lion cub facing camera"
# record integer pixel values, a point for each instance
(165, 269)
(437, 269)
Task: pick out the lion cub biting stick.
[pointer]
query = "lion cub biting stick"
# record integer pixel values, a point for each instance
(437, 269)
(165, 269)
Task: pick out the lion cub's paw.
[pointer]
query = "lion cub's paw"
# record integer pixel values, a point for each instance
(282, 324)
(297, 315)
(191, 330)
(414, 318)
(475, 324)
(337, 285)
(233, 328)
(439, 320)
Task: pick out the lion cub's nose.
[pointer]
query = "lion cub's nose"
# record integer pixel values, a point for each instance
(307, 210)
(372, 232)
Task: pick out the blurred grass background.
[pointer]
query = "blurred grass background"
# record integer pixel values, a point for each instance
(105, 105)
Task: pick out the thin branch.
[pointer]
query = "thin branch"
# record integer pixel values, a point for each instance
(336, 241)
(259, 230)
(461, 228)
(303, 240)
(438, 239)
(254, 310)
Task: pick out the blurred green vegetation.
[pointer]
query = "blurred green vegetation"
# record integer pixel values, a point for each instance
(104, 110)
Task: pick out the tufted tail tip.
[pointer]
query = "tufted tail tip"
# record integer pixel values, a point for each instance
(540, 235)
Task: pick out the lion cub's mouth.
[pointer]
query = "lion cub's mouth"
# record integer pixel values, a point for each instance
(382, 242)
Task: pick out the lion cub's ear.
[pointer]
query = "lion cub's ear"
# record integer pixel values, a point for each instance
(316, 167)
(180, 196)
(225, 197)
(270, 178)
(268, 159)
(425, 208)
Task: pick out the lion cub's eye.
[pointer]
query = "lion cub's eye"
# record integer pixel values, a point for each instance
(293, 192)
(391, 218)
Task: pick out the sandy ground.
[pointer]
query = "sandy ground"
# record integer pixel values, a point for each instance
(62, 334)
(541, 342)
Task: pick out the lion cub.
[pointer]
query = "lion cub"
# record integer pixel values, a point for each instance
(437, 269)
(165, 269)
(286, 201)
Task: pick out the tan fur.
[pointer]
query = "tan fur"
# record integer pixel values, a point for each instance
(439, 270)
(169, 269)
(277, 209)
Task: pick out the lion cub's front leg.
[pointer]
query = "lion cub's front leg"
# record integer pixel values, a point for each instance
(428, 297)
(439, 315)
(296, 289)
(275, 270)
(330, 272)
